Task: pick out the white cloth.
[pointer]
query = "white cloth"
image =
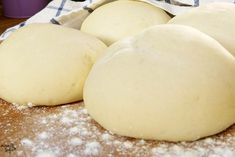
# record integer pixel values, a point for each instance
(71, 14)
(54, 9)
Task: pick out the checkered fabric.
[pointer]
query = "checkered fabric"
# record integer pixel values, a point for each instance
(54, 9)
(71, 13)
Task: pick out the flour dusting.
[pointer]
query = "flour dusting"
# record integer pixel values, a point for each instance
(71, 132)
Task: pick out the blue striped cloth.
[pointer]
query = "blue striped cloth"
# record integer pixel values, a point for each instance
(53, 9)
(56, 10)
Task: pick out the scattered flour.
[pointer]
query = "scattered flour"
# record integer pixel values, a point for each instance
(46, 154)
(92, 148)
(71, 132)
(43, 135)
(106, 137)
(76, 141)
(67, 120)
(128, 145)
(74, 130)
(44, 121)
(26, 142)
(23, 106)
(72, 155)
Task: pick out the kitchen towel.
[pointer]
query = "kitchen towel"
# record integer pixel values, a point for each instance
(71, 13)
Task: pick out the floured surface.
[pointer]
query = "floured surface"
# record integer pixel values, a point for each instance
(68, 131)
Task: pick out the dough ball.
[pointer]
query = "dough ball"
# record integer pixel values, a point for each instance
(46, 64)
(170, 82)
(215, 19)
(122, 18)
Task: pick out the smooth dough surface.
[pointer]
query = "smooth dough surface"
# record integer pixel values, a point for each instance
(119, 19)
(46, 64)
(170, 82)
(214, 19)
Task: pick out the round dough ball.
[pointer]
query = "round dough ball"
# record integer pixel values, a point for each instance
(169, 83)
(119, 19)
(46, 64)
(215, 19)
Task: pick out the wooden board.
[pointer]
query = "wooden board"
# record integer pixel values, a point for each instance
(68, 130)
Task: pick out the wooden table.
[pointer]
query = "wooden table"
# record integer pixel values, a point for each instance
(68, 131)
(8, 22)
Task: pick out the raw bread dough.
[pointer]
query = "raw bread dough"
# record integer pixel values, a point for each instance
(214, 19)
(170, 82)
(122, 18)
(46, 64)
